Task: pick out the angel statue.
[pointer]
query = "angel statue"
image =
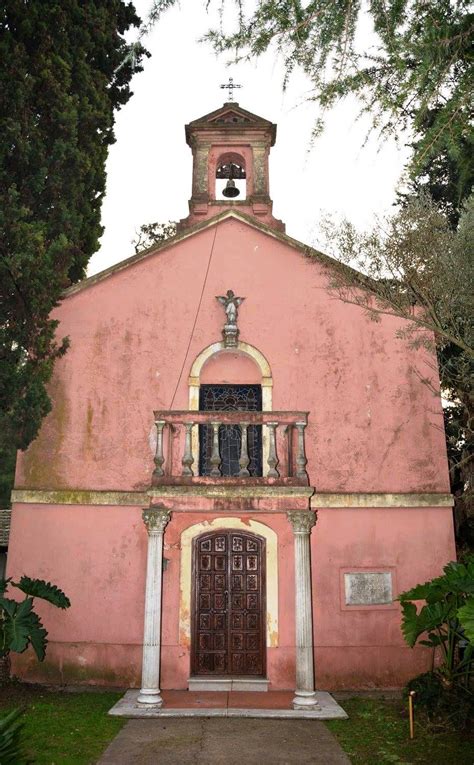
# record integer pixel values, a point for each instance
(231, 305)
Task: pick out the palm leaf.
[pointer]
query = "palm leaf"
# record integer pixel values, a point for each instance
(10, 744)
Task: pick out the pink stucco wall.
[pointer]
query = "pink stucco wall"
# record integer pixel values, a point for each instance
(99, 556)
(373, 427)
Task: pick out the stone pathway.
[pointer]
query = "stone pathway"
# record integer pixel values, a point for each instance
(224, 741)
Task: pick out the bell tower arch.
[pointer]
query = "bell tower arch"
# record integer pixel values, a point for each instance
(231, 147)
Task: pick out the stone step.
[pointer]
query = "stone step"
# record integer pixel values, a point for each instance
(226, 683)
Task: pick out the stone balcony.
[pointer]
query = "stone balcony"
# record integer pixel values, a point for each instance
(281, 445)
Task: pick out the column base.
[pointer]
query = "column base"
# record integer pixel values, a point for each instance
(150, 697)
(305, 700)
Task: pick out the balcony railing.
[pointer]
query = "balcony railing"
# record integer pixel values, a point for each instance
(177, 447)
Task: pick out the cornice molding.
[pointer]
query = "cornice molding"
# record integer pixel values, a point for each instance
(357, 499)
(317, 500)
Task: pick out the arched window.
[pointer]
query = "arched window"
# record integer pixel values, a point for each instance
(217, 366)
(231, 180)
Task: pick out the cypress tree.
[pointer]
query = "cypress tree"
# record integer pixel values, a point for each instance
(62, 77)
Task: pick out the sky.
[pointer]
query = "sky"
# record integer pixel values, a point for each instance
(149, 166)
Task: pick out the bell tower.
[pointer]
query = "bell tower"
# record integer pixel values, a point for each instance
(230, 165)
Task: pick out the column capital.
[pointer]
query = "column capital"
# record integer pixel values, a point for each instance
(302, 521)
(156, 519)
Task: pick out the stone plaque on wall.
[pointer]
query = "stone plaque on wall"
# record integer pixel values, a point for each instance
(368, 588)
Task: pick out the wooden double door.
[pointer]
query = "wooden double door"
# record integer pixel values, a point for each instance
(228, 604)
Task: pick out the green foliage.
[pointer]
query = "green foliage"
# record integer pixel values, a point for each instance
(428, 688)
(447, 705)
(153, 233)
(20, 626)
(38, 588)
(445, 620)
(466, 617)
(60, 83)
(446, 623)
(61, 727)
(447, 181)
(7, 471)
(11, 750)
(417, 73)
(421, 269)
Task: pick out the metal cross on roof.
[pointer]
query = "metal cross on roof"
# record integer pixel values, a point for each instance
(230, 86)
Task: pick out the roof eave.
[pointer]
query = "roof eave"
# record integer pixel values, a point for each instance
(305, 249)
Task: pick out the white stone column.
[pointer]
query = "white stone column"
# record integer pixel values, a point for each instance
(302, 522)
(155, 520)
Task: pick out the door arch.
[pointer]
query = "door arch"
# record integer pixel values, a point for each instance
(228, 604)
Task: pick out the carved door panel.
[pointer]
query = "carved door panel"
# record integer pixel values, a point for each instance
(228, 635)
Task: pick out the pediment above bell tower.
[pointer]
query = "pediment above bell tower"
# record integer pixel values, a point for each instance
(231, 147)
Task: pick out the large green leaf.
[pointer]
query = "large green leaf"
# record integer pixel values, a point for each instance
(38, 636)
(430, 617)
(409, 623)
(458, 578)
(420, 592)
(466, 617)
(38, 588)
(8, 605)
(22, 627)
(3, 585)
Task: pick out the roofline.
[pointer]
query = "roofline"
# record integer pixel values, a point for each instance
(227, 106)
(207, 123)
(305, 249)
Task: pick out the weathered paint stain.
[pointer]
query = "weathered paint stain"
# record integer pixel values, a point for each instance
(41, 466)
(89, 434)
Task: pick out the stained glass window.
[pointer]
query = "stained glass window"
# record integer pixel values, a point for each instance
(230, 398)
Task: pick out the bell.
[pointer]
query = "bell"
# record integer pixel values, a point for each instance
(231, 189)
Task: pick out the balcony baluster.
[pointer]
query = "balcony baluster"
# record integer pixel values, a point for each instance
(159, 457)
(301, 460)
(188, 458)
(272, 453)
(291, 471)
(244, 453)
(215, 456)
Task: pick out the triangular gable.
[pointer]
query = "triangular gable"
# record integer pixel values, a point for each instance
(242, 218)
(231, 113)
(230, 118)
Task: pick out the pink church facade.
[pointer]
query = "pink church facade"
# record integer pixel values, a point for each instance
(287, 456)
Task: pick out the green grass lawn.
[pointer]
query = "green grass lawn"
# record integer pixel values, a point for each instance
(63, 728)
(377, 733)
